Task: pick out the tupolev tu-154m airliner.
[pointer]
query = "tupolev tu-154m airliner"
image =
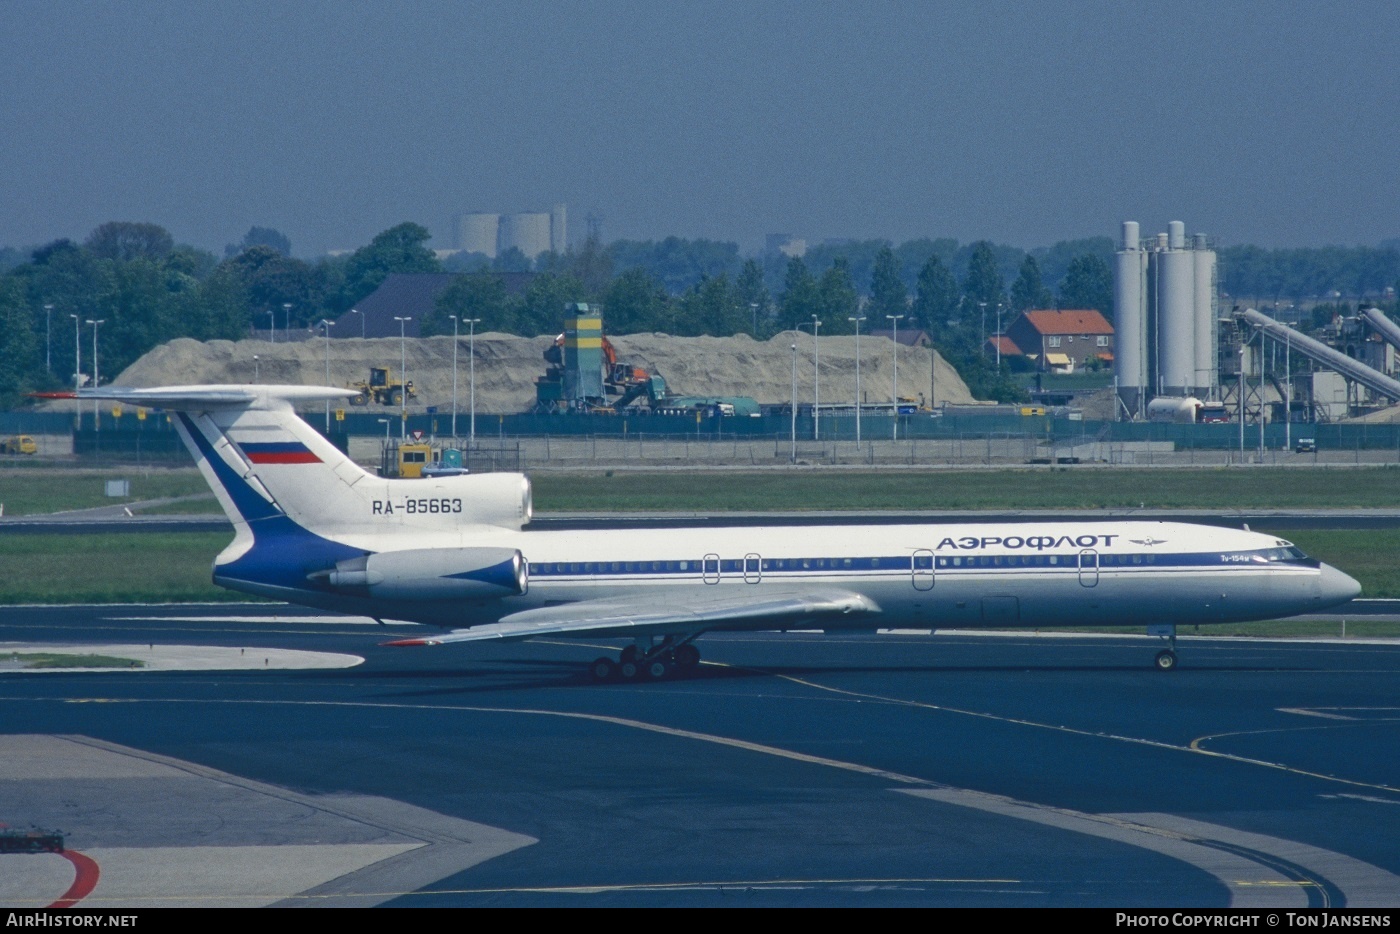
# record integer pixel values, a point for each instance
(455, 553)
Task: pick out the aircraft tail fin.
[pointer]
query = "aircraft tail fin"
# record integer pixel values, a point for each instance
(259, 457)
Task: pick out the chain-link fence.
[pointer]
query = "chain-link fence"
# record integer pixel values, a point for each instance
(918, 440)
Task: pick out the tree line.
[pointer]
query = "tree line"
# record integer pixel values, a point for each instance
(958, 312)
(145, 289)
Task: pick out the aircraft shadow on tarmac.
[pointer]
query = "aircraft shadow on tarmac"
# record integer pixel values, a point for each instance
(505, 674)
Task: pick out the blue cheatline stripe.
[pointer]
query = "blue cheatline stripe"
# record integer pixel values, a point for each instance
(904, 564)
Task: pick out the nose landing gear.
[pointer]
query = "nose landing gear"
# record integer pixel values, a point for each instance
(1166, 659)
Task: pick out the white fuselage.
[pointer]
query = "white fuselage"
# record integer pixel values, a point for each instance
(1106, 572)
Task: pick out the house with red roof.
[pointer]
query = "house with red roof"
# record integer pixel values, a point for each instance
(1062, 341)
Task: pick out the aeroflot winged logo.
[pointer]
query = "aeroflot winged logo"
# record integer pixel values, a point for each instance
(279, 452)
(1148, 542)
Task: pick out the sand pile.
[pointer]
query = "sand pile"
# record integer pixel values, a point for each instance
(506, 367)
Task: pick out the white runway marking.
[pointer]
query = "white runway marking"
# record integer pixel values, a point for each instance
(269, 620)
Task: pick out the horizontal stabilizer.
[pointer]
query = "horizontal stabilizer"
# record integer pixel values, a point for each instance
(201, 398)
(631, 618)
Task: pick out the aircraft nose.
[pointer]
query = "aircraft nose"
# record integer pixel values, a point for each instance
(1336, 586)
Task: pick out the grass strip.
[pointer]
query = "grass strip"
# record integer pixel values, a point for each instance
(29, 492)
(112, 567)
(1043, 488)
(51, 660)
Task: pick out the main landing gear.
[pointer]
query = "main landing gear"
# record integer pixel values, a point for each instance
(646, 660)
(1166, 659)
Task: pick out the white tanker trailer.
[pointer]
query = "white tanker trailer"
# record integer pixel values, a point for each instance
(1182, 411)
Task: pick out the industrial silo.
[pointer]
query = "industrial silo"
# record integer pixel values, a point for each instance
(477, 232)
(1176, 314)
(1207, 366)
(528, 233)
(1130, 319)
(1165, 317)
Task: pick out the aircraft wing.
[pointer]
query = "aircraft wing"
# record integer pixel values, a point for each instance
(642, 616)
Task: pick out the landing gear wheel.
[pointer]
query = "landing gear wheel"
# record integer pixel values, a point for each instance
(604, 669)
(1166, 660)
(687, 657)
(629, 670)
(656, 669)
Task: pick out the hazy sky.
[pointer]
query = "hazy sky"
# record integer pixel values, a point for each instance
(1271, 122)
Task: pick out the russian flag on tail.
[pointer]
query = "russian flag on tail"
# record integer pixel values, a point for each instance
(279, 452)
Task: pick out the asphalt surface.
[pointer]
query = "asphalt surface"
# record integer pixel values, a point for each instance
(792, 769)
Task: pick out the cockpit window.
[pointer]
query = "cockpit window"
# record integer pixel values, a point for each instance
(1290, 554)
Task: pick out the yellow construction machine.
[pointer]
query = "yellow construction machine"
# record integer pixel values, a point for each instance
(382, 389)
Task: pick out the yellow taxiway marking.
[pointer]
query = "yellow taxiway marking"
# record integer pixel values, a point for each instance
(738, 886)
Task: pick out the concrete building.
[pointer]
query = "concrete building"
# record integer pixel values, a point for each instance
(531, 232)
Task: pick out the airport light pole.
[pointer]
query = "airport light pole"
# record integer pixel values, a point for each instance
(982, 349)
(403, 377)
(454, 376)
(48, 338)
(998, 335)
(857, 322)
(816, 378)
(255, 369)
(894, 322)
(272, 324)
(77, 353)
(471, 358)
(287, 317)
(96, 422)
(1288, 403)
(794, 403)
(1262, 374)
(356, 311)
(1241, 392)
(326, 325)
